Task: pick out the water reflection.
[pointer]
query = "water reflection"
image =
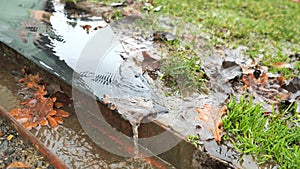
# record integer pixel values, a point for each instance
(50, 39)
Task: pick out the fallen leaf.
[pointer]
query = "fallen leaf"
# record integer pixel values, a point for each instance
(281, 80)
(17, 164)
(62, 113)
(52, 122)
(41, 91)
(281, 65)
(39, 109)
(14, 112)
(86, 28)
(52, 113)
(41, 15)
(58, 105)
(43, 122)
(211, 117)
(31, 81)
(149, 63)
(58, 119)
(29, 126)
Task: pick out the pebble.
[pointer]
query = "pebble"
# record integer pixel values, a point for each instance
(13, 148)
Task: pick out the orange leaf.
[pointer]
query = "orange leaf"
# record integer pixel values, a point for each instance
(15, 112)
(24, 118)
(245, 80)
(263, 79)
(43, 122)
(53, 99)
(211, 117)
(17, 164)
(41, 91)
(86, 27)
(21, 80)
(58, 119)
(281, 80)
(29, 125)
(62, 113)
(52, 113)
(58, 104)
(52, 122)
(29, 102)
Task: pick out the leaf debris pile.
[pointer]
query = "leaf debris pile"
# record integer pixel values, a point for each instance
(39, 109)
(268, 89)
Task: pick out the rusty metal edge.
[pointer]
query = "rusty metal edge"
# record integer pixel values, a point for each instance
(27, 135)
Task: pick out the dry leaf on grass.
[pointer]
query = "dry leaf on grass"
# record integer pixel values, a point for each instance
(211, 117)
(265, 89)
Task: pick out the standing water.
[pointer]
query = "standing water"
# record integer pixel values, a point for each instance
(54, 42)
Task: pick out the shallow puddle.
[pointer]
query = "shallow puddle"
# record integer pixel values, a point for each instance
(68, 141)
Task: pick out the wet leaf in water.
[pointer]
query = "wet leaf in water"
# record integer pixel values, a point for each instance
(211, 117)
(52, 113)
(31, 81)
(58, 119)
(43, 122)
(62, 113)
(86, 28)
(14, 112)
(29, 125)
(41, 15)
(52, 121)
(58, 105)
(39, 109)
(41, 91)
(17, 164)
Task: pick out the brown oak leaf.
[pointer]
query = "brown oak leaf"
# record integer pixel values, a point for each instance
(211, 117)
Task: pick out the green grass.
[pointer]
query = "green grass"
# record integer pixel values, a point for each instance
(269, 28)
(264, 26)
(182, 71)
(273, 137)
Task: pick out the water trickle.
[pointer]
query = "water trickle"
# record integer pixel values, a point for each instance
(135, 127)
